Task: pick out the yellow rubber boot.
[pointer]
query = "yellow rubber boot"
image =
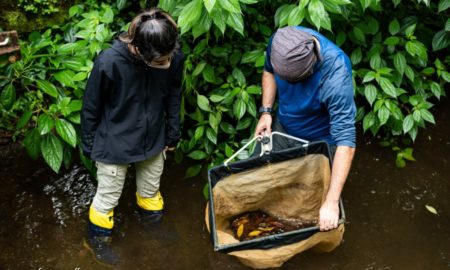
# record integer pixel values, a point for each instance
(150, 209)
(98, 239)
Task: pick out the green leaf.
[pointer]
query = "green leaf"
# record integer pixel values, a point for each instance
(236, 21)
(211, 135)
(375, 61)
(383, 115)
(417, 116)
(219, 17)
(65, 77)
(408, 154)
(209, 4)
(254, 90)
(32, 143)
(239, 76)
(369, 77)
(370, 92)
(208, 74)
(24, 119)
(66, 131)
(216, 98)
(436, 89)
(189, 15)
(227, 128)
(244, 123)
(232, 6)
(341, 38)
(282, 14)
(108, 15)
(408, 123)
(399, 161)
(409, 31)
(45, 124)
(52, 151)
(197, 155)
(251, 56)
(205, 191)
(199, 132)
(409, 73)
(296, 16)
(441, 40)
(48, 88)
(443, 5)
(199, 68)
(368, 121)
(394, 27)
(193, 171)
(239, 108)
(427, 116)
(400, 62)
(203, 103)
(447, 24)
(431, 209)
(392, 41)
(8, 96)
(387, 87)
(214, 121)
(356, 56)
(365, 3)
(359, 35)
(317, 13)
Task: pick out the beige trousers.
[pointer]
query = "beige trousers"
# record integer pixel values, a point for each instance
(111, 178)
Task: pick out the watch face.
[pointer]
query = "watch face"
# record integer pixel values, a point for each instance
(265, 109)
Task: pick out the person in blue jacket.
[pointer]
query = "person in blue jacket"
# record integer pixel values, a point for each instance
(313, 79)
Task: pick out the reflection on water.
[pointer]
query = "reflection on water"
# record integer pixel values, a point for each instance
(43, 216)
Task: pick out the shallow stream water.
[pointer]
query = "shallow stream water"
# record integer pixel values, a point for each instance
(43, 215)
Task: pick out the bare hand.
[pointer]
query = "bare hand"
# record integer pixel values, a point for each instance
(167, 148)
(329, 216)
(264, 125)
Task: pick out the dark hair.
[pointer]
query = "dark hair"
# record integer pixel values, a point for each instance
(154, 33)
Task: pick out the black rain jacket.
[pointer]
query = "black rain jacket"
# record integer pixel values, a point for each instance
(130, 110)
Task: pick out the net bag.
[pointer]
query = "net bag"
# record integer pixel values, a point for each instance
(288, 184)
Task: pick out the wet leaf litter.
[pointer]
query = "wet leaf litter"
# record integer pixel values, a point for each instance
(255, 224)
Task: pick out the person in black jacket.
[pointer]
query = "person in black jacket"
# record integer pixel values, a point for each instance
(130, 114)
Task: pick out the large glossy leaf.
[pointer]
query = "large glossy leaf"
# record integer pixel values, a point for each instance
(441, 40)
(209, 4)
(189, 15)
(443, 5)
(52, 151)
(197, 155)
(387, 87)
(400, 62)
(408, 123)
(65, 77)
(370, 91)
(203, 103)
(66, 131)
(236, 21)
(231, 5)
(8, 96)
(47, 87)
(45, 123)
(32, 143)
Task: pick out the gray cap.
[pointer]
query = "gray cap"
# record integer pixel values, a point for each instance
(293, 54)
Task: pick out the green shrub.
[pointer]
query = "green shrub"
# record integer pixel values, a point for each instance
(399, 51)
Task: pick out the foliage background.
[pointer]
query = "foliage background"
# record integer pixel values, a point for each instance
(399, 51)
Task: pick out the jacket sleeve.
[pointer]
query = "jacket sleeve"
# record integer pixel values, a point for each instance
(338, 96)
(172, 106)
(92, 108)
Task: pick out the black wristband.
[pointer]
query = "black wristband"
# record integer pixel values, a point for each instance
(263, 109)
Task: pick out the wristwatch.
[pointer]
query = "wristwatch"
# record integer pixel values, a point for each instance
(263, 109)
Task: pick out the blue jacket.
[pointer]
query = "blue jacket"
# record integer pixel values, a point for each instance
(321, 107)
